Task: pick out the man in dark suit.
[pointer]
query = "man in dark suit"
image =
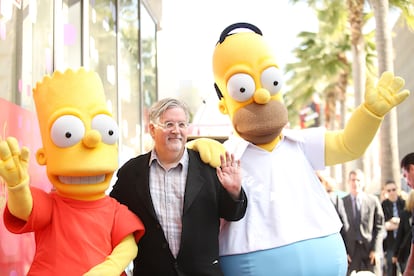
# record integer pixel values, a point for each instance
(402, 245)
(392, 207)
(363, 226)
(407, 167)
(179, 199)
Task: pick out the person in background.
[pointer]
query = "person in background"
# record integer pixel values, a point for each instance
(403, 241)
(392, 207)
(180, 199)
(363, 228)
(407, 167)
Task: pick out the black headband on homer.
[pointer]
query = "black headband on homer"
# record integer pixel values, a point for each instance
(226, 32)
(219, 94)
(240, 25)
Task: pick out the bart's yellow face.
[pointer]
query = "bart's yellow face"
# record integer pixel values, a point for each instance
(250, 81)
(78, 132)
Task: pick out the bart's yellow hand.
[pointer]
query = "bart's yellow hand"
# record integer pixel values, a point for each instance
(14, 170)
(382, 98)
(13, 162)
(209, 149)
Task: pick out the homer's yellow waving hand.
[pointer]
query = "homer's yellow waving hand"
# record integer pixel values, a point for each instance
(382, 98)
(351, 142)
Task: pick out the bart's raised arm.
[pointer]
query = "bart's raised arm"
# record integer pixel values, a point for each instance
(351, 142)
(14, 170)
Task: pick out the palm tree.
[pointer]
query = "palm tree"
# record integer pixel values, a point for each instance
(323, 67)
(389, 158)
(356, 17)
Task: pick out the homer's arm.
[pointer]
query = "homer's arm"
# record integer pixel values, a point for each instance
(116, 263)
(14, 171)
(351, 142)
(210, 150)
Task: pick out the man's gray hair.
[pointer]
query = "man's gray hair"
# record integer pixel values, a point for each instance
(158, 109)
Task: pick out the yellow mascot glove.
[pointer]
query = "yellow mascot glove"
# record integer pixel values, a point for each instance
(14, 170)
(351, 142)
(382, 98)
(209, 150)
(117, 262)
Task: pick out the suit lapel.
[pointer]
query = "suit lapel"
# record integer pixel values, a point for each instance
(363, 205)
(194, 181)
(349, 209)
(142, 187)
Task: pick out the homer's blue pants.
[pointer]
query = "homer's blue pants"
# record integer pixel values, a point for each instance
(319, 256)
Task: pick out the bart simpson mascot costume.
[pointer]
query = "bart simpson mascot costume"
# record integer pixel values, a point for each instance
(290, 227)
(79, 230)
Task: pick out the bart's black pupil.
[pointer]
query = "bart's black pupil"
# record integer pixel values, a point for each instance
(68, 135)
(275, 83)
(111, 132)
(242, 90)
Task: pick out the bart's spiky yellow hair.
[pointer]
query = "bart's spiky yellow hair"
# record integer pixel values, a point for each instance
(63, 90)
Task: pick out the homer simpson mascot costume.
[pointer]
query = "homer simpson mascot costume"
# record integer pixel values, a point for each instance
(79, 230)
(290, 227)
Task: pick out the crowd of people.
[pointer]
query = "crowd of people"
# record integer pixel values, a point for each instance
(377, 230)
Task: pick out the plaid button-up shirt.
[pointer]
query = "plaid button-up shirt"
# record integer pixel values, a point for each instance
(167, 192)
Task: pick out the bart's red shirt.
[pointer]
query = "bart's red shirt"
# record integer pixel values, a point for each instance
(72, 236)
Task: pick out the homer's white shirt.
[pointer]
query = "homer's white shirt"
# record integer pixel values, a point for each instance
(286, 201)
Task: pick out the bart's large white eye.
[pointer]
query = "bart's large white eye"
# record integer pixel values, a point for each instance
(272, 80)
(241, 87)
(107, 127)
(67, 131)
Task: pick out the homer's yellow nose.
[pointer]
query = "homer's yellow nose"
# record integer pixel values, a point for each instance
(92, 138)
(261, 96)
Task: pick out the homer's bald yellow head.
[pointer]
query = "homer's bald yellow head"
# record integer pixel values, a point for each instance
(79, 135)
(248, 82)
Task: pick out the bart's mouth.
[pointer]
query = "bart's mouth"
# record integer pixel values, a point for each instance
(82, 179)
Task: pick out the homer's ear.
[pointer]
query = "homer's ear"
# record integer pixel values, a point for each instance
(41, 157)
(222, 107)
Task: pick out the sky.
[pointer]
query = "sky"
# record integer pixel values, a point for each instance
(191, 28)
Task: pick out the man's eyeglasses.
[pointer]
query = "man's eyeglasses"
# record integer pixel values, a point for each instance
(172, 125)
(391, 190)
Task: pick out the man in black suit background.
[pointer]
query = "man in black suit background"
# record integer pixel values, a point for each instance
(363, 226)
(179, 199)
(392, 207)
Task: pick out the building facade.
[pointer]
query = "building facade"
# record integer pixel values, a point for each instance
(117, 39)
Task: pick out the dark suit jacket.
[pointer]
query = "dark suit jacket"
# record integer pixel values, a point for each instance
(371, 226)
(402, 245)
(205, 202)
(388, 214)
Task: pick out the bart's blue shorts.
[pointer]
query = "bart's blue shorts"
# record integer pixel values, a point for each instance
(319, 256)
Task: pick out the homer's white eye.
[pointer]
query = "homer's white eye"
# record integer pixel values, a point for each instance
(67, 131)
(241, 87)
(272, 80)
(107, 127)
